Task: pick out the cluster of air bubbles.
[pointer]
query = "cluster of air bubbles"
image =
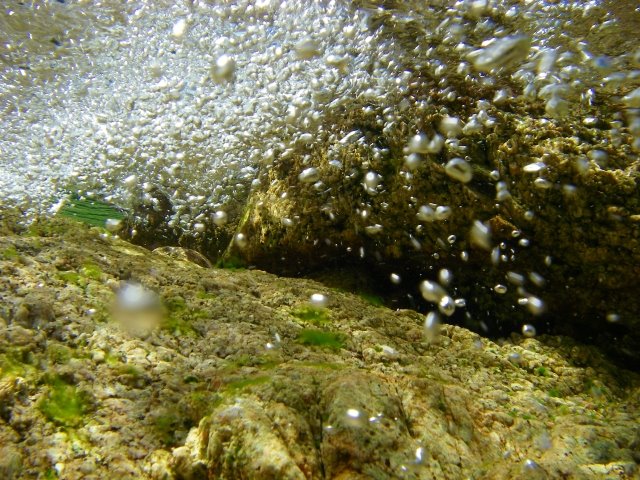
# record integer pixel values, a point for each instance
(432, 213)
(187, 106)
(434, 293)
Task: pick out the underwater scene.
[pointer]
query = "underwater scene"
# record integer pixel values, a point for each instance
(319, 239)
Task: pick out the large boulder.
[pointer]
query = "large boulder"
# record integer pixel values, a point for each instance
(250, 375)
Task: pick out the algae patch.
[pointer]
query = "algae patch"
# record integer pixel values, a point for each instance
(91, 212)
(314, 315)
(64, 404)
(10, 253)
(321, 338)
(180, 318)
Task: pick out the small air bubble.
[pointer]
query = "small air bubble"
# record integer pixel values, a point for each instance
(309, 175)
(528, 330)
(432, 291)
(426, 214)
(443, 212)
(613, 317)
(432, 326)
(241, 240)
(445, 276)
(447, 306)
(534, 167)
(319, 300)
(223, 69)
(459, 169)
(219, 218)
(501, 289)
(481, 235)
(535, 305)
(542, 183)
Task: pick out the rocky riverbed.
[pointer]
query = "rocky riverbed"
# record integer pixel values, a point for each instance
(250, 375)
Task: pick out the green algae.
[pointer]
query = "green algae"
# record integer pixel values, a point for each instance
(542, 371)
(164, 427)
(199, 404)
(59, 354)
(314, 315)
(243, 383)
(554, 392)
(50, 474)
(71, 277)
(64, 404)
(232, 263)
(180, 318)
(178, 326)
(129, 370)
(10, 253)
(16, 363)
(91, 212)
(372, 299)
(321, 338)
(202, 295)
(91, 271)
(88, 271)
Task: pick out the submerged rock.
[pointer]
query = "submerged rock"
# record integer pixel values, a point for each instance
(247, 378)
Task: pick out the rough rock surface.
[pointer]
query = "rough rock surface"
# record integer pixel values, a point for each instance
(245, 378)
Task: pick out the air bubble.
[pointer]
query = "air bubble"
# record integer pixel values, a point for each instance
(459, 169)
(534, 167)
(542, 183)
(426, 214)
(528, 330)
(535, 305)
(307, 48)
(443, 212)
(432, 326)
(515, 278)
(431, 291)
(450, 127)
(179, 29)
(413, 161)
(373, 229)
(502, 53)
(613, 317)
(309, 175)
(219, 218)
(445, 276)
(480, 235)
(501, 289)
(447, 306)
(223, 69)
(319, 300)
(241, 240)
(371, 181)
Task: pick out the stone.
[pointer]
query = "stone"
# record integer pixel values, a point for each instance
(235, 392)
